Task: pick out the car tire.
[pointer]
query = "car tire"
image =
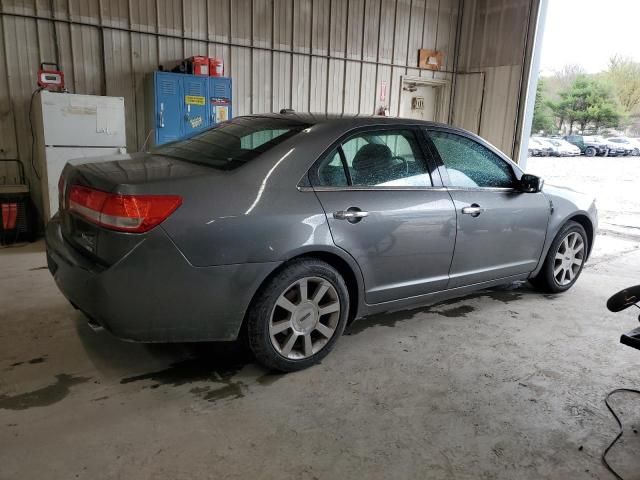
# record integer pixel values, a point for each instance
(590, 151)
(286, 327)
(559, 271)
(635, 152)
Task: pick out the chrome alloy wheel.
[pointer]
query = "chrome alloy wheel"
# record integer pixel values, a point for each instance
(569, 259)
(304, 318)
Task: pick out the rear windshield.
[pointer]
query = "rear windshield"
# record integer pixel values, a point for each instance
(232, 144)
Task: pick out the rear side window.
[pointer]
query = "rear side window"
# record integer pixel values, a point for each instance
(232, 144)
(470, 164)
(376, 159)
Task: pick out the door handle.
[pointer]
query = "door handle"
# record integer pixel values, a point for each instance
(350, 215)
(474, 210)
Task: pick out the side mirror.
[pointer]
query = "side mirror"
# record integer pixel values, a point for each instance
(531, 183)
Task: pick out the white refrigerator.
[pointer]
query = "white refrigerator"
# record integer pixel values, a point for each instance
(69, 126)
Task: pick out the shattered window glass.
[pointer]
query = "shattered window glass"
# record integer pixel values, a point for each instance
(470, 164)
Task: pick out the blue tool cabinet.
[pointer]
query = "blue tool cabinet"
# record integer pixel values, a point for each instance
(182, 104)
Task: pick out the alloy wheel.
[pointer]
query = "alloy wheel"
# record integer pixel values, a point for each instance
(569, 259)
(304, 318)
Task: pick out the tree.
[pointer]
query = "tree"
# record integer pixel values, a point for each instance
(624, 76)
(562, 79)
(542, 120)
(587, 101)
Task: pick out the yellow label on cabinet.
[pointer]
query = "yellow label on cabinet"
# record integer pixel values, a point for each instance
(193, 100)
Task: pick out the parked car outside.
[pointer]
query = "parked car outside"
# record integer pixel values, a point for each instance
(613, 149)
(631, 148)
(588, 145)
(543, 148)
(287, 227)
(636, 143)
(562, 148)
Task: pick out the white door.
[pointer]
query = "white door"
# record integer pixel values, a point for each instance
(421, 103)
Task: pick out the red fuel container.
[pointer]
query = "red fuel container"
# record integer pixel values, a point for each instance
(198, 66)
(216, 67)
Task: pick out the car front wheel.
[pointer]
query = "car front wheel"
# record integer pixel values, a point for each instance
(589, 151)
(564, 261)
(298, 315)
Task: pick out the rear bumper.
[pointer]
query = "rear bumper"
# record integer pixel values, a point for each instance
(153, 294)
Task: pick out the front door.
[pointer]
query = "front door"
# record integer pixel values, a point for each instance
(384, 210)
(500, 230)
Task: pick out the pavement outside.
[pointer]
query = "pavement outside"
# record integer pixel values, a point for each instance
(508, 383)
(612, 180)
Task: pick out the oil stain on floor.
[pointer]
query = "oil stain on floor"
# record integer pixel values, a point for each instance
(44, 396)
(456, 312)
(216, 366)
(33, 361)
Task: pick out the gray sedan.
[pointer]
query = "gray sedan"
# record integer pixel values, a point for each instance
(282, 229)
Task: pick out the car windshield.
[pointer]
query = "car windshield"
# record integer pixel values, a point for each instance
(232, 144)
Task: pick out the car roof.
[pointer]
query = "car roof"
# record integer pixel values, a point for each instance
(349, 120)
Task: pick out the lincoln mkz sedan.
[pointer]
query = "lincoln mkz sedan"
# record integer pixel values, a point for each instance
(282, 229)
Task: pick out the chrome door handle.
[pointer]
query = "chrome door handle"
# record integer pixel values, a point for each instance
(349, 215)
(474, 210)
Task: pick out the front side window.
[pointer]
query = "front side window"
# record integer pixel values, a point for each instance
(376, 159)
(470, 164)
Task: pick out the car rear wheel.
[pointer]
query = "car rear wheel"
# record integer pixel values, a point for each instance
(564, 261)
(590, 151)
(298, 315)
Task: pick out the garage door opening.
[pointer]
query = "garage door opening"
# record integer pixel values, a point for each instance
(584, 125)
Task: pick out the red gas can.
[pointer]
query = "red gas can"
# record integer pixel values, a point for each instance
(216, 67)
(198, 66)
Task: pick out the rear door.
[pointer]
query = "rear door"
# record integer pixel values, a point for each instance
(384, 209)
(500, 230)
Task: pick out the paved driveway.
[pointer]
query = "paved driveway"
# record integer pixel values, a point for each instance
(613, 181)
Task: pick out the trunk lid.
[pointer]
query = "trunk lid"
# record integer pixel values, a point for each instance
(140, 173)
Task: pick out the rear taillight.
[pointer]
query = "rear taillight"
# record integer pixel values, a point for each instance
(126, 213)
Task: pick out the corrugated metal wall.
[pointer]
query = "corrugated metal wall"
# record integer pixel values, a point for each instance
(493, 44)
(318, 55)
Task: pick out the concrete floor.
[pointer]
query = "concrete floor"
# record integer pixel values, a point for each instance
(505, 384)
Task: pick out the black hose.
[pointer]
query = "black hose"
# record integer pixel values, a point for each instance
(606, 450)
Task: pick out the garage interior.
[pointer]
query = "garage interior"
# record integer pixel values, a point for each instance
(506, 383)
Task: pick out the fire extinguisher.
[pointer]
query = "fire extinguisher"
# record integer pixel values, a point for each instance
(216, 67)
